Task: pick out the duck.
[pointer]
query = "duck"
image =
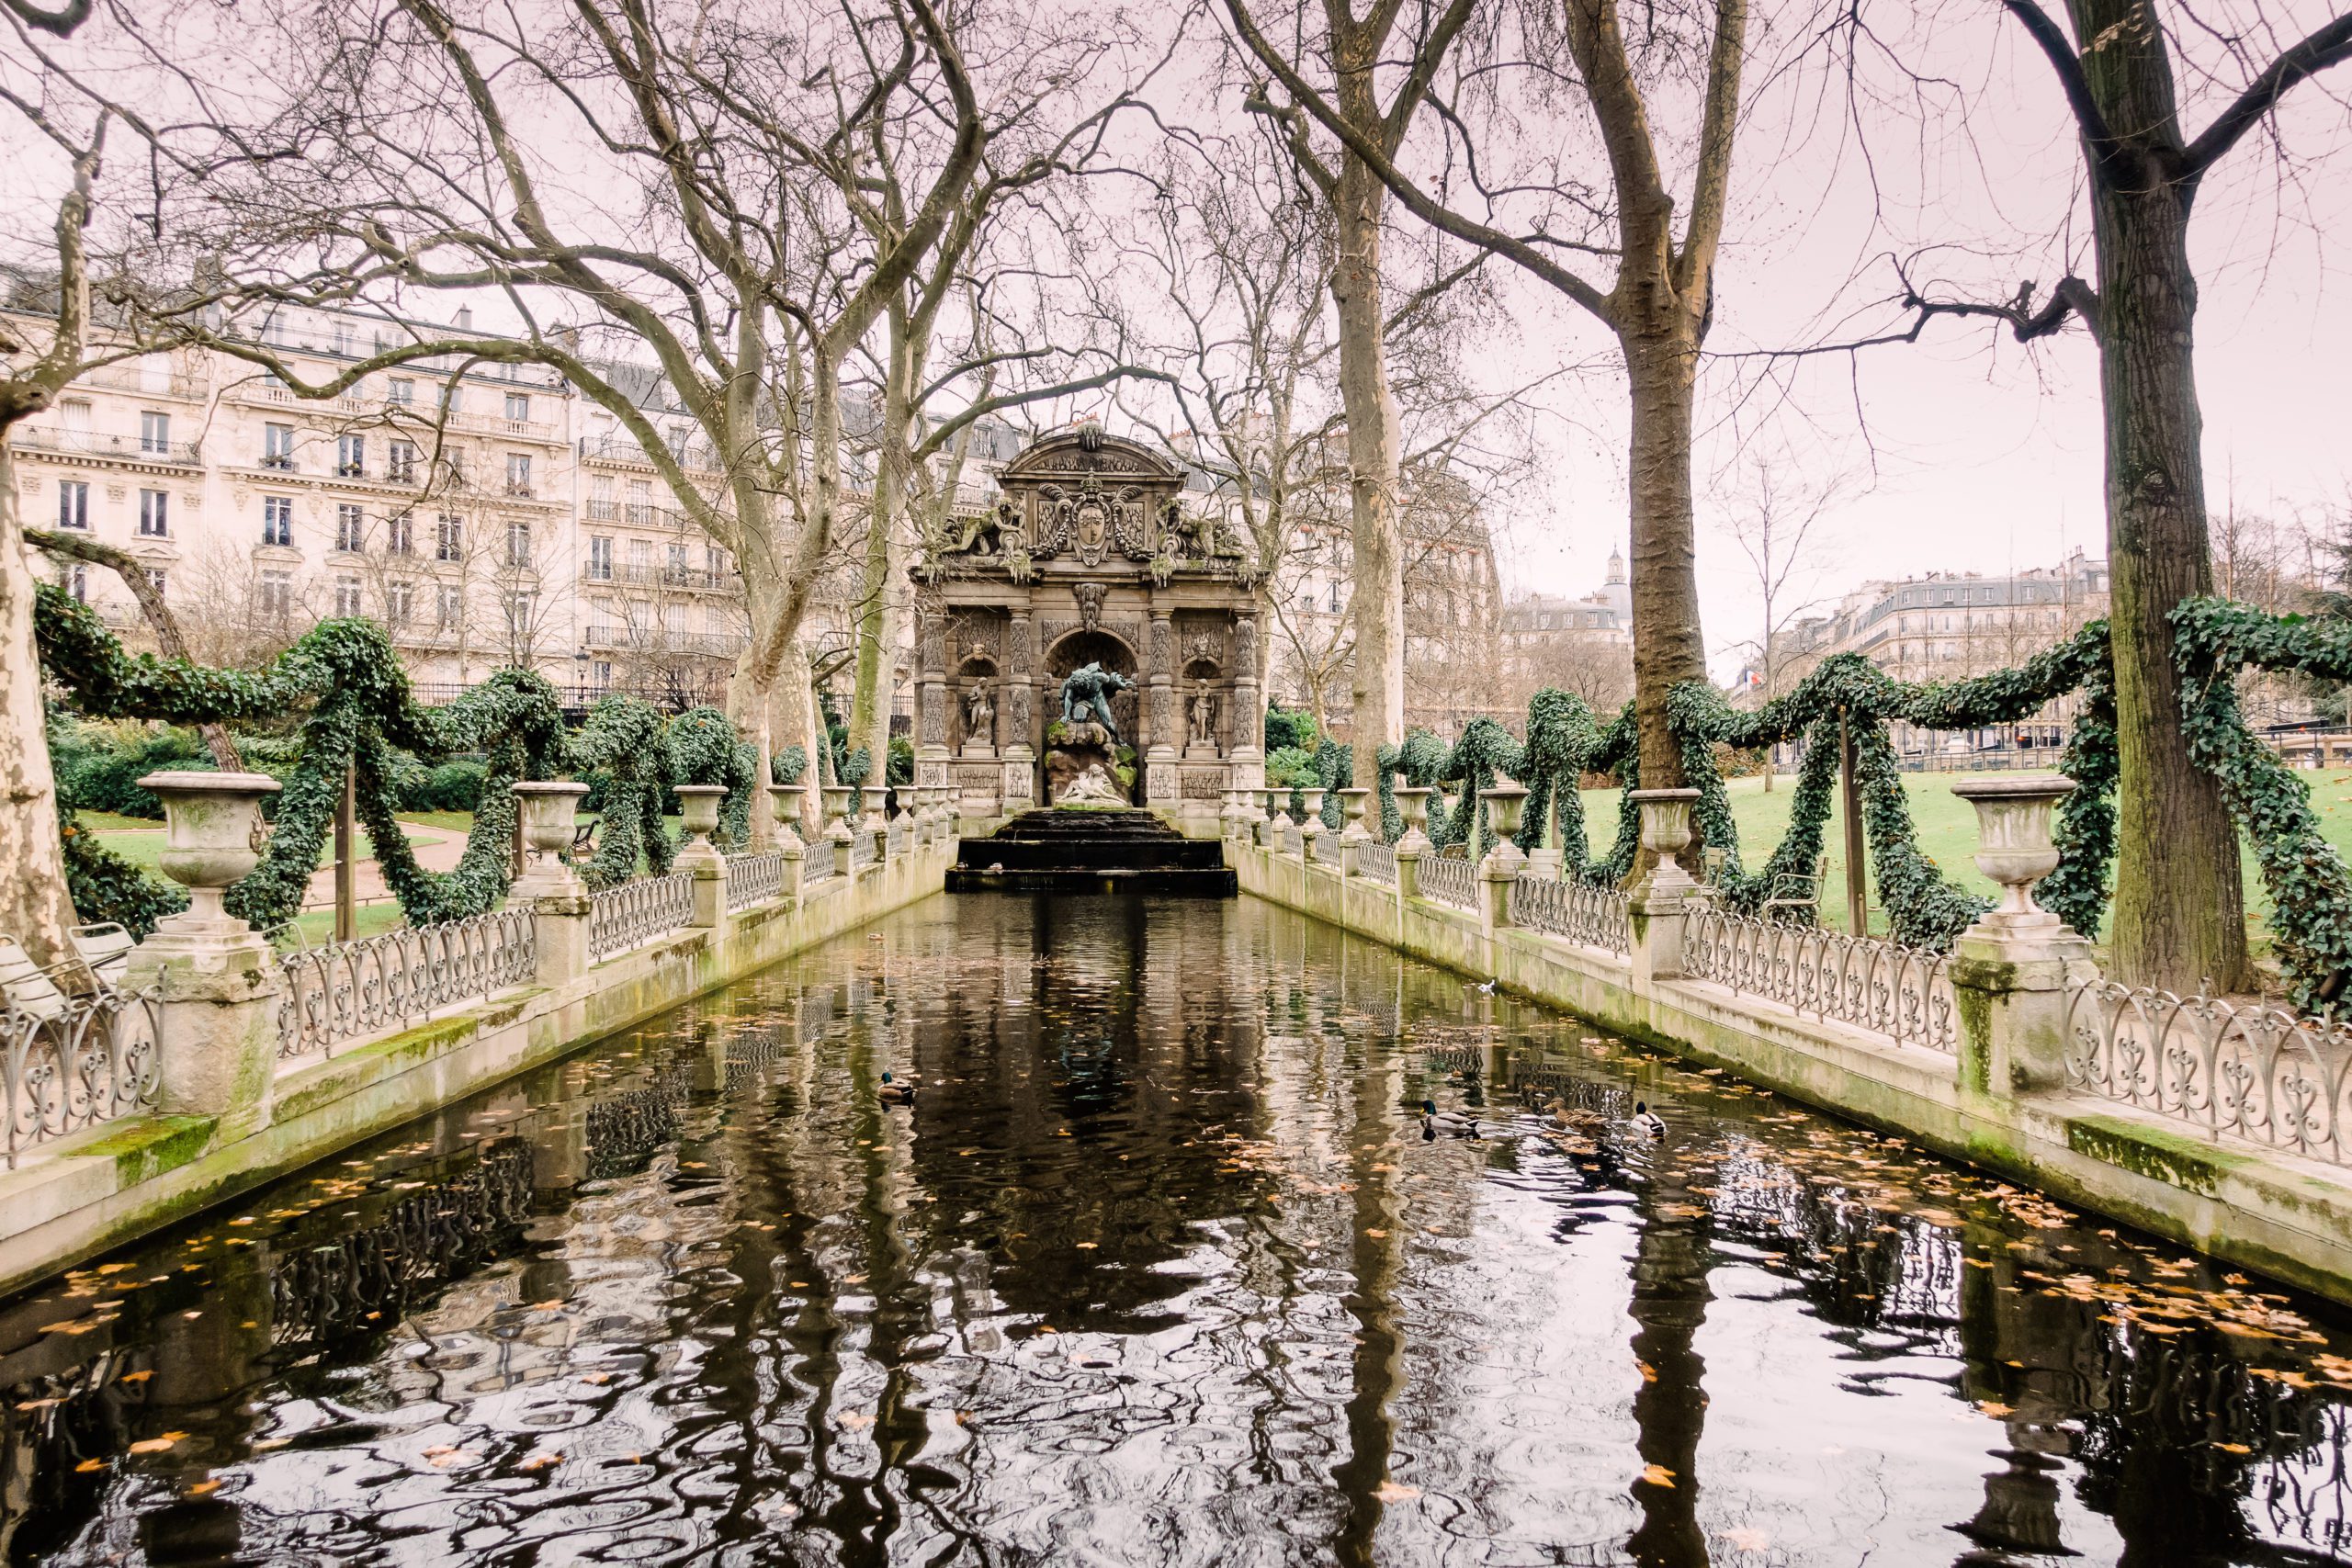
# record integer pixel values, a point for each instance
(1451, 1122)
(1647, 1123)
(893, 1092)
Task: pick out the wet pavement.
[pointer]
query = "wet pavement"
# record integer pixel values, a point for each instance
(1158, 1268)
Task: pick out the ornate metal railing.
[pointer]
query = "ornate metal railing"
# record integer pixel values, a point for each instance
(1904, 993)
(67, 1062)
(1598, 916)
(822, 862)
(1294, 842)
(861, 850)
(636, 912)
(755, 879)
(350, 989)
(1376, 861)
(2255, 1071)
(1450, 879)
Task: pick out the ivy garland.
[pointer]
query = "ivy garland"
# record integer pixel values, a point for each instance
(622, 738)
(704, 749)
(356, 693)
(1419, 759)
(2309, 887)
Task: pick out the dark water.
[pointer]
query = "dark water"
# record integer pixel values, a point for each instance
(1159, 1270)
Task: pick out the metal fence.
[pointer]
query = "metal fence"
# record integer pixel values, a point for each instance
(1598, 916)
(1450, 879)
(67, 1062)
(755, 879)
(350, 989)
(1293, 840)
(902, 837)
(636, 912)
(2255, 1071)
(1376, 861)
(861, 850)
(1904, 993)
(822, 862)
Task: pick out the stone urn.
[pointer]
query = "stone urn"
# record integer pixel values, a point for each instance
(836, 802)
(1505, 803)
(547, 809)
(1666, 833)
(785, 802)
(2013, 830)
(1314, 798)
(701, 802)
(1355, 803)
(213, 836)
(1413, 802)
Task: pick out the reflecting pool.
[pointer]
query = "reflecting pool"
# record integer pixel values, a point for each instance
(1158, 1268)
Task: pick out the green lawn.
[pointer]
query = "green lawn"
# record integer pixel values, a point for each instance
(145, 849)
(1947, 829)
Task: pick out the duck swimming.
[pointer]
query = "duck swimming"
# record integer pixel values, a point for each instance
(1451, 1122)
(893, 1092)
(1646, 1121)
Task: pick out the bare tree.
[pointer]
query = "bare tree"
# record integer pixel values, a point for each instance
(1772, 521)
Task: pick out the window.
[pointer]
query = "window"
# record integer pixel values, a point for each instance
(518, 405)
(452, 462)
(519, 608)
(400, 533)
(342, 339)
(602, 669)
(73, 503)
(399, 462)
(155, 431)
(75, 412)
(518, 473)
(518, 543)
(640, 502)
(155, 514)
(640, 559)
(276, 446)
(347, 596)
(160, 580)
(351, 456)
(400, 602)
(453, 398)
(278, 520)
(677, 563)
(449, 607)
(350, 527)
(75, 580)
(274, 596)
(1335, 596)
(449, 538)
(600, 558)
(403, 390)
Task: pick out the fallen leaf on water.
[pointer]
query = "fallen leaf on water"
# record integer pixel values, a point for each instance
(546, 1306)
(1658, 1475)
(156, 1444)
(2233, 1447)
(1649, 1373)
(202, 1487)
(540, 1462)
(857, 1421)
(1376, 1234)
(88, 1465)
(1396, 1492)
(1747, 1540)
(1993, 1407)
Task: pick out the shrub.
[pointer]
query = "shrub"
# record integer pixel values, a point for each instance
(1289, 729)
(1292, 765)
(902, 760)
(453, 786)
(101, 770)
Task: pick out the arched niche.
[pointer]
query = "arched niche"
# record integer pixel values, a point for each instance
(978, 671)
(1083, 646)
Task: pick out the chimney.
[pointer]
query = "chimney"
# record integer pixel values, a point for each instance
(464, 320)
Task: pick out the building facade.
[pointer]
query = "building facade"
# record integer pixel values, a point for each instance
(1584, 646)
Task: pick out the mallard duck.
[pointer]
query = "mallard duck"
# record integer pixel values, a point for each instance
(893, 1092)
(1646, 1121)
(1451, 1122)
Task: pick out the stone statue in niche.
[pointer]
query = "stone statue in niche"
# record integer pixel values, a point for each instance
(1086, 695)
(1203, 717)
(979, 717)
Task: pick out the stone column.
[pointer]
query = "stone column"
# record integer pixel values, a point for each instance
(1415, 805)
(1247, 720)
(1311, 831)
(1159, 782)
(2009, 970)
(548, 887)
(931, 757)
(1501, 865)
(1659, 899)
(1019, 717)
(700, 857)
(217, 1033)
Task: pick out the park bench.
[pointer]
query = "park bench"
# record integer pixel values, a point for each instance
(1795, 892)
(583, 837)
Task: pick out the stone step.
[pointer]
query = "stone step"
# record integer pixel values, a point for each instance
(1121, 850)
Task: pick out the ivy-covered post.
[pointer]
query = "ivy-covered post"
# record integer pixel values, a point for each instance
(1310, 831)
(1355, 835)
(700, 857)
(1658, 901)
(2009, 970)
(1501, 865)
(548, 887)
(1415, 805)
(217, 1030)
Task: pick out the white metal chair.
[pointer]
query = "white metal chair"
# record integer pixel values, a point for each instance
(105, 947)
(1799, 890)
(28, 987)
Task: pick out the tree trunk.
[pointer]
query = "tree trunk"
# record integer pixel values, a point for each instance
(2179, 920)
(1667, 650)
(34, 907)
(1378, 686)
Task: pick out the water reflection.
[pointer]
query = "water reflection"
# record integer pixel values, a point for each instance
(1157, 1269)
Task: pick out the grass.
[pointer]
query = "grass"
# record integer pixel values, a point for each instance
(1947, 830)
(146, 849)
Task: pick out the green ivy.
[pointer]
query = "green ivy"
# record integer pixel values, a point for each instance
(704, 749)
(623, 740)
(105, 886)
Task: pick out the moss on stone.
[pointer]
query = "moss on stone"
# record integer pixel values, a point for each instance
(2157, 1154)
(150, 1145)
